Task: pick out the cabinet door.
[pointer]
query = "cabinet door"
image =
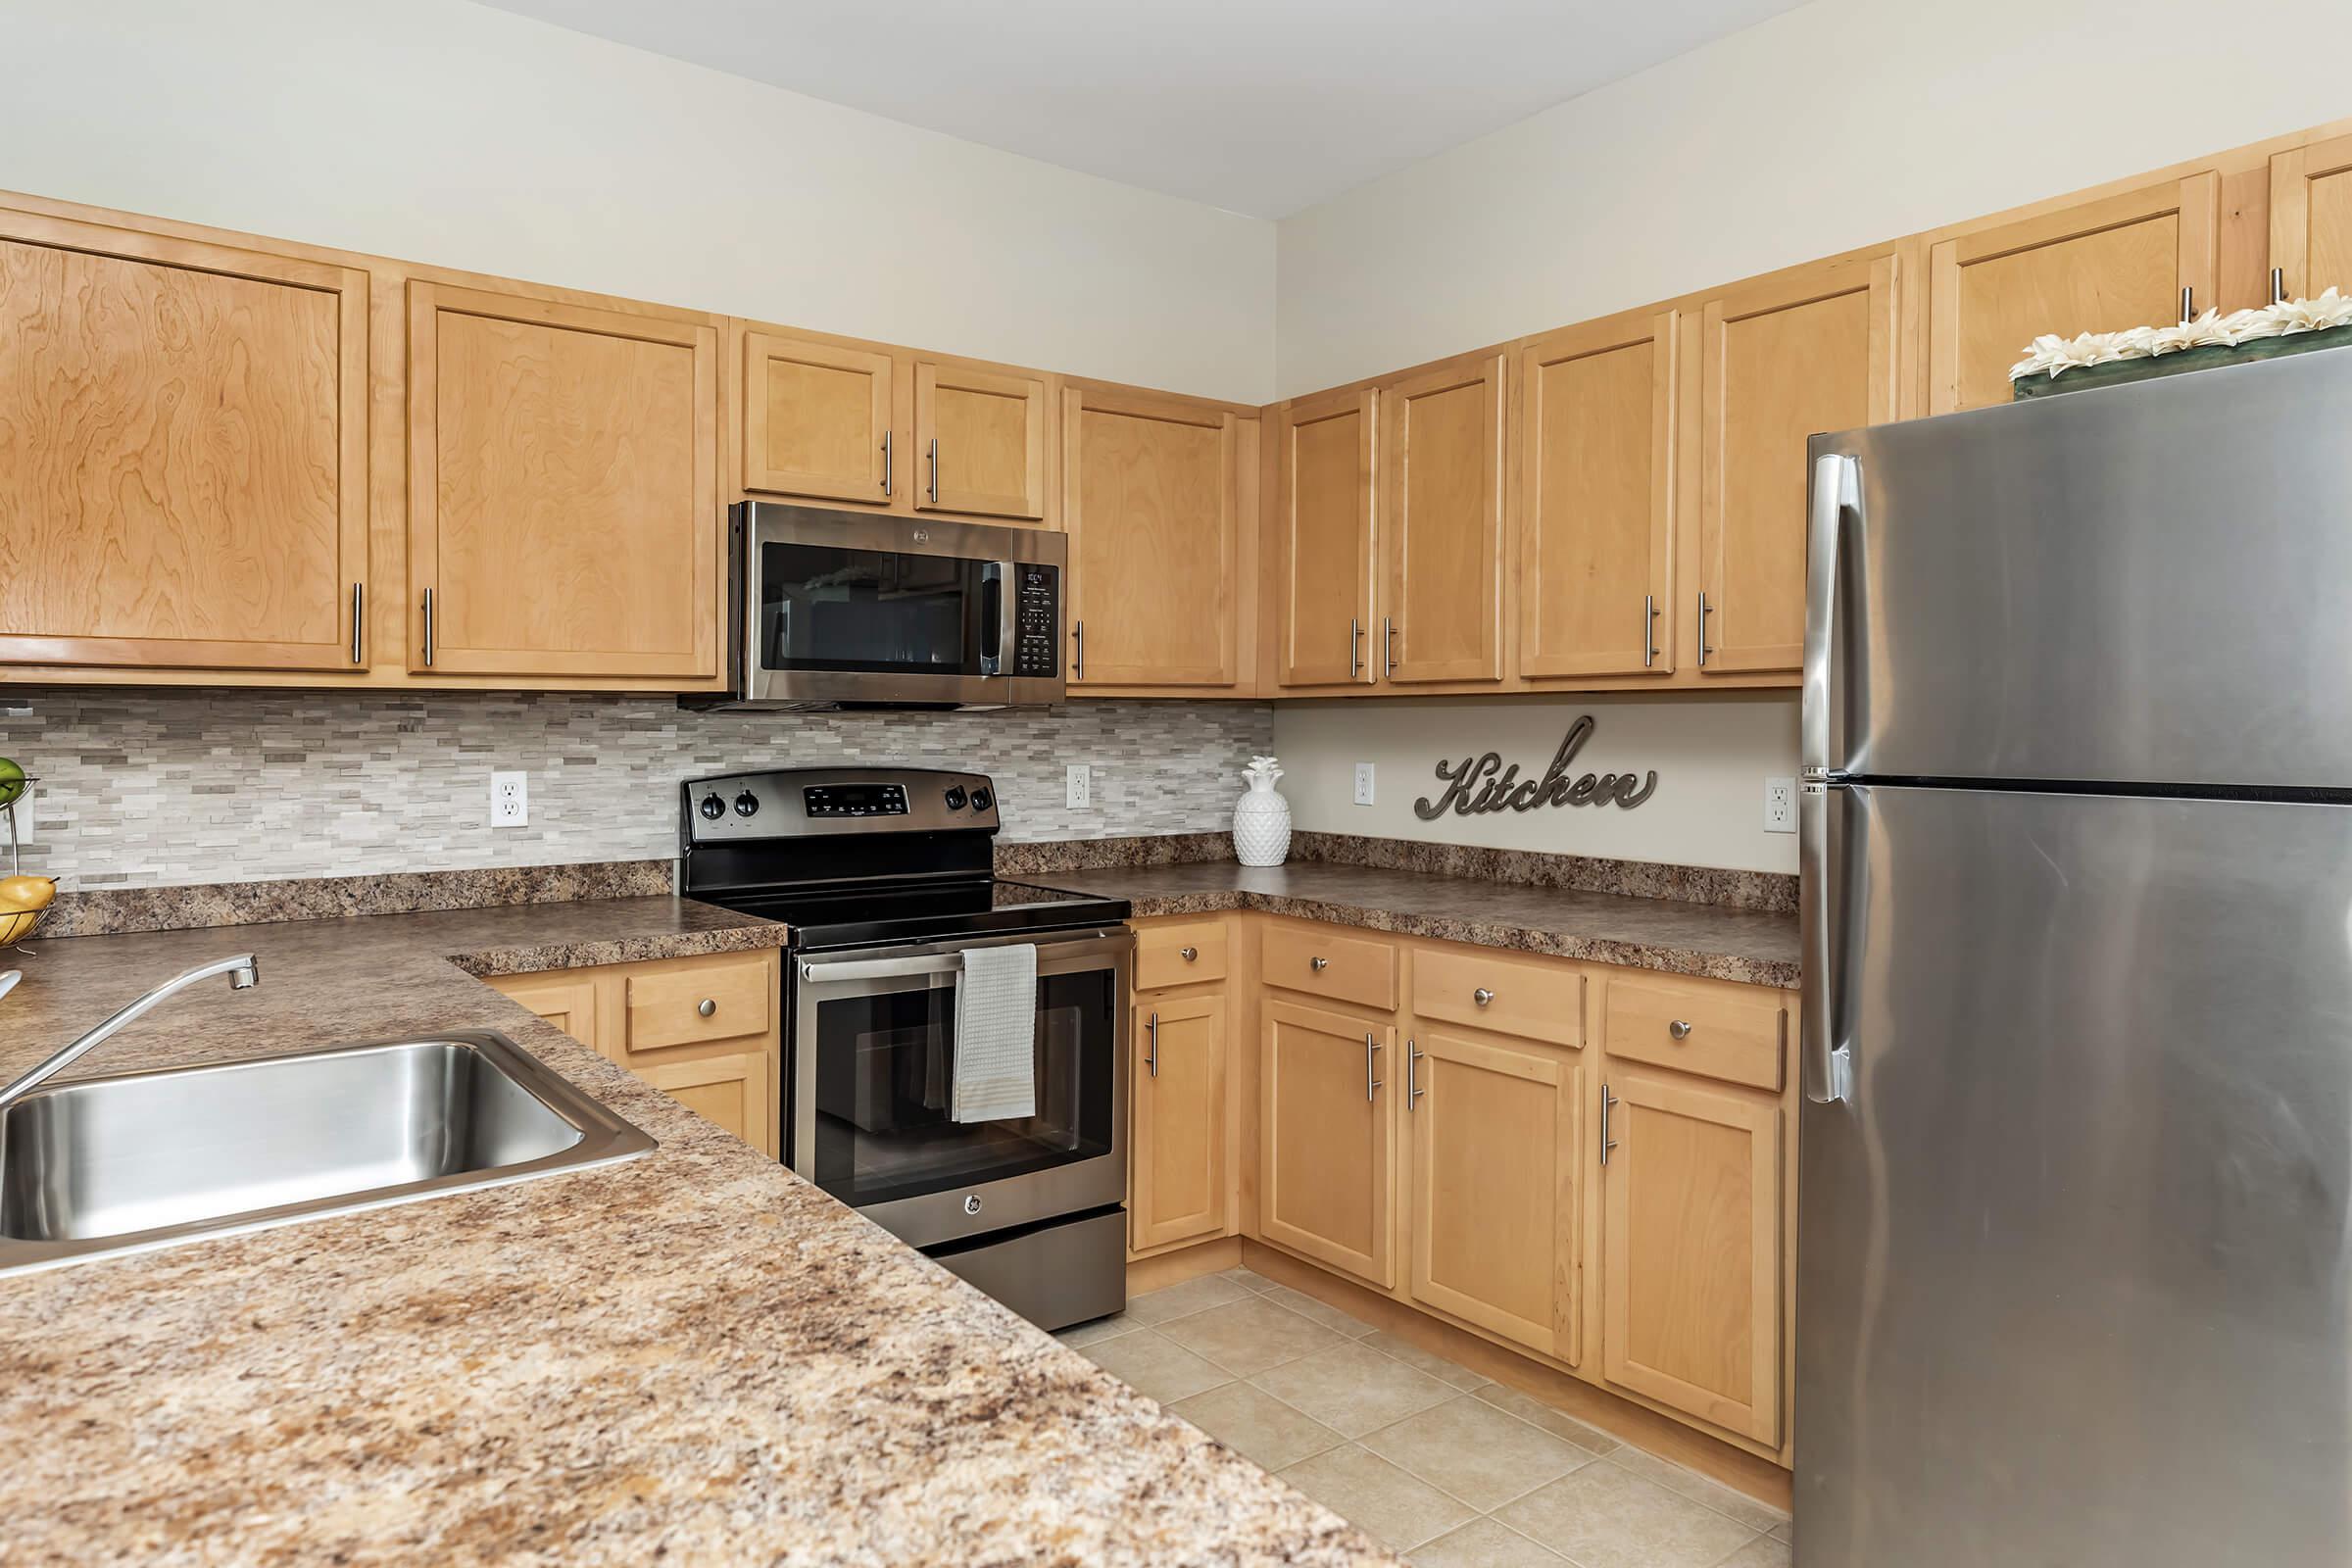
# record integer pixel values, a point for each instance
(1149, 503)
(737, 1092)
(184, 452)
(1596, 503)
(1441, 496)
(1782, 360)
(1690, 1187)
(565, 997)
(563, 510)
(1327, 539)
(2104, 266)
(1494, 1204)
(816, 419)
(1324, 1169)
(1178, 1176)
(2311, 219)
(983, 441)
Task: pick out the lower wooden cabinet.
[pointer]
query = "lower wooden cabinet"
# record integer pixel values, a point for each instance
(1690, 1256)
(1179, 1180)
(702, 1030)
(1326, 1137)
(1496, 1186)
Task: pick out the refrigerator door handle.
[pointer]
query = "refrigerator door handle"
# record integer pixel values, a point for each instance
(1826, 1064)
(1837, 490)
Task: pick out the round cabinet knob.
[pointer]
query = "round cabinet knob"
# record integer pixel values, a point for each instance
(706, 1007)
(712, 807)
(746, 804)
(1318, 965)
(1188, 954)
(1679, 1029)
(1482, 995)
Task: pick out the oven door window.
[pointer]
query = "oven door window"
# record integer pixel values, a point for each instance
(822, 608)
(885, 1069)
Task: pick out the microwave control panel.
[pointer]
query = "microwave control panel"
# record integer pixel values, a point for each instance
(1037, 639)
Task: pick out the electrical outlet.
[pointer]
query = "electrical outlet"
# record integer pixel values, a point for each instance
(1364, 783)
(1078, 787)
(1780, 806)
(509, 800)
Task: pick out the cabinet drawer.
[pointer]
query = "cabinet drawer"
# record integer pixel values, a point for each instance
(1179, 955)
(1533, 1001)
(1733, 1032)
(668, 1006)
(1321, 963)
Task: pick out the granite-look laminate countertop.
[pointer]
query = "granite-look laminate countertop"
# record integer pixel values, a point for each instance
(692, 1357)
(1699, 939)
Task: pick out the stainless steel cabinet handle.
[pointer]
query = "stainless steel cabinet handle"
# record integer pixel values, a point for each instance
(359, 620)
(1078, 636)
(935, 470)
(1413, 1072)
(886, 463)
(1607, 1143)
(2277, 284)
(1188, 954)
(1355, 643)
(1679, 1029)
(1151, 1055)
(706, 1007)
(2189, 304)
(1482, 995)
(428, 628)
(1703, 607)
(1387, 645)
(1371, 1051)
(1649, 630)
(1318, 965)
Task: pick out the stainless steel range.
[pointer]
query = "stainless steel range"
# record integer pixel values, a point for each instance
(886, 877)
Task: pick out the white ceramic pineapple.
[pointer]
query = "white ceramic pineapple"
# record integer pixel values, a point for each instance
(1261, 817)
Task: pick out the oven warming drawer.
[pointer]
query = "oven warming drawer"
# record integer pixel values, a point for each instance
(1055, 1275)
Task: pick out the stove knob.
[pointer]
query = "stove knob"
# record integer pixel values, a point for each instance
(746, 804)
(956, 797)
(982, 799)
(712, 807)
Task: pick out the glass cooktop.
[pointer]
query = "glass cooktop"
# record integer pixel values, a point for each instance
(870, 914)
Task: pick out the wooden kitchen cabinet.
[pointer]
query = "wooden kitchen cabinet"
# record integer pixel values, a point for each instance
(981, 438)
(184, 452)
(736, 1091)
(1691, 1264)
(565, 997)
(1782, 359)
(1326, 1159)
(819, 419)
(2098, 266)
(1151, 504)
(1496, 1186)
(563, 506)
(1179, 1182)
(1596, 499)
(1441, 506)
(2311, 217)
(1325, 524)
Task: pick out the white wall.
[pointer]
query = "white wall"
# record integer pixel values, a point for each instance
(443, 132)
(1711, 755)
(1836, 125)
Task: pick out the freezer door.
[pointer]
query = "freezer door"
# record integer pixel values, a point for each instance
(2073, 1250)
(2138, 583)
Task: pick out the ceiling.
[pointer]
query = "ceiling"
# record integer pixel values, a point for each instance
(1262, 107)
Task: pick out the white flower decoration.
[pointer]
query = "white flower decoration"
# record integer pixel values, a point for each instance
(2329, 310)
(2052, 355)
(2248, 327)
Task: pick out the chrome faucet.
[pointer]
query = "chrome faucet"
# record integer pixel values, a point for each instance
(241, 975)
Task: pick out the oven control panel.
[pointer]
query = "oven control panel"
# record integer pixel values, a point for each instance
(812, 802)
(1036, 605)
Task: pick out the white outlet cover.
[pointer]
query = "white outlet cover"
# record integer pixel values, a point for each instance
(1078, 787)
(509, 799)
(1364, 783)
(1780, 806)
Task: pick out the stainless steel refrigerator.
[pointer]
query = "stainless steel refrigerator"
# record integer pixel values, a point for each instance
(2076, 1207)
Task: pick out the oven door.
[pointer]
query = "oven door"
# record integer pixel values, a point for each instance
(844, 608)
(873, 1058)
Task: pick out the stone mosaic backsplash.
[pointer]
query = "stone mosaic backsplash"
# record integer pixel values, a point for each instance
(148, 788)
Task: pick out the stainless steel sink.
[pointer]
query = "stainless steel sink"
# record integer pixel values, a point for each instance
(136, 1160)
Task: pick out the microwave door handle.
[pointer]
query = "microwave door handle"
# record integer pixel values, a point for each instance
(996, 631)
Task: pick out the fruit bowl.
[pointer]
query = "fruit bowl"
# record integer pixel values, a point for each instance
(16, 922)
(15, 926)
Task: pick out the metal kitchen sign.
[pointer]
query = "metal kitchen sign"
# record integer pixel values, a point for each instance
(1483, 784)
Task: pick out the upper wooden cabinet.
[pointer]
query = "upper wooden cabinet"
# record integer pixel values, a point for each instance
(1781, 360)
(1596, 499)
(2098, 267)
(2311, 217)
(1324, 519)
(564, 508)
(1441, 506)
(1325, 1166)
(981, 437)
(184, 452)
(819, 419)
(1149, 501)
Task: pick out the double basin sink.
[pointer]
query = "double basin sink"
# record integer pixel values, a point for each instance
(100, 1166)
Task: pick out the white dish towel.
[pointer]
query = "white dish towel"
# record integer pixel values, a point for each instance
(996, 1035)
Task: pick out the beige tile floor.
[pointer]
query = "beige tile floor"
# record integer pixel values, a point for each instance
(1443, 1466)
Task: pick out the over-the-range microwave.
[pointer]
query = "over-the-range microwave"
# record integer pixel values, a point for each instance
(856, 609)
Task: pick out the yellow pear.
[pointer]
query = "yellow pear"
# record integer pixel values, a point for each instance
(26, 892)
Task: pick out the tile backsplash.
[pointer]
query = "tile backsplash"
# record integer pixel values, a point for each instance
(146, 788)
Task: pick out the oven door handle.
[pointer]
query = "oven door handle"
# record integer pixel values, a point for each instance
(849, 969)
